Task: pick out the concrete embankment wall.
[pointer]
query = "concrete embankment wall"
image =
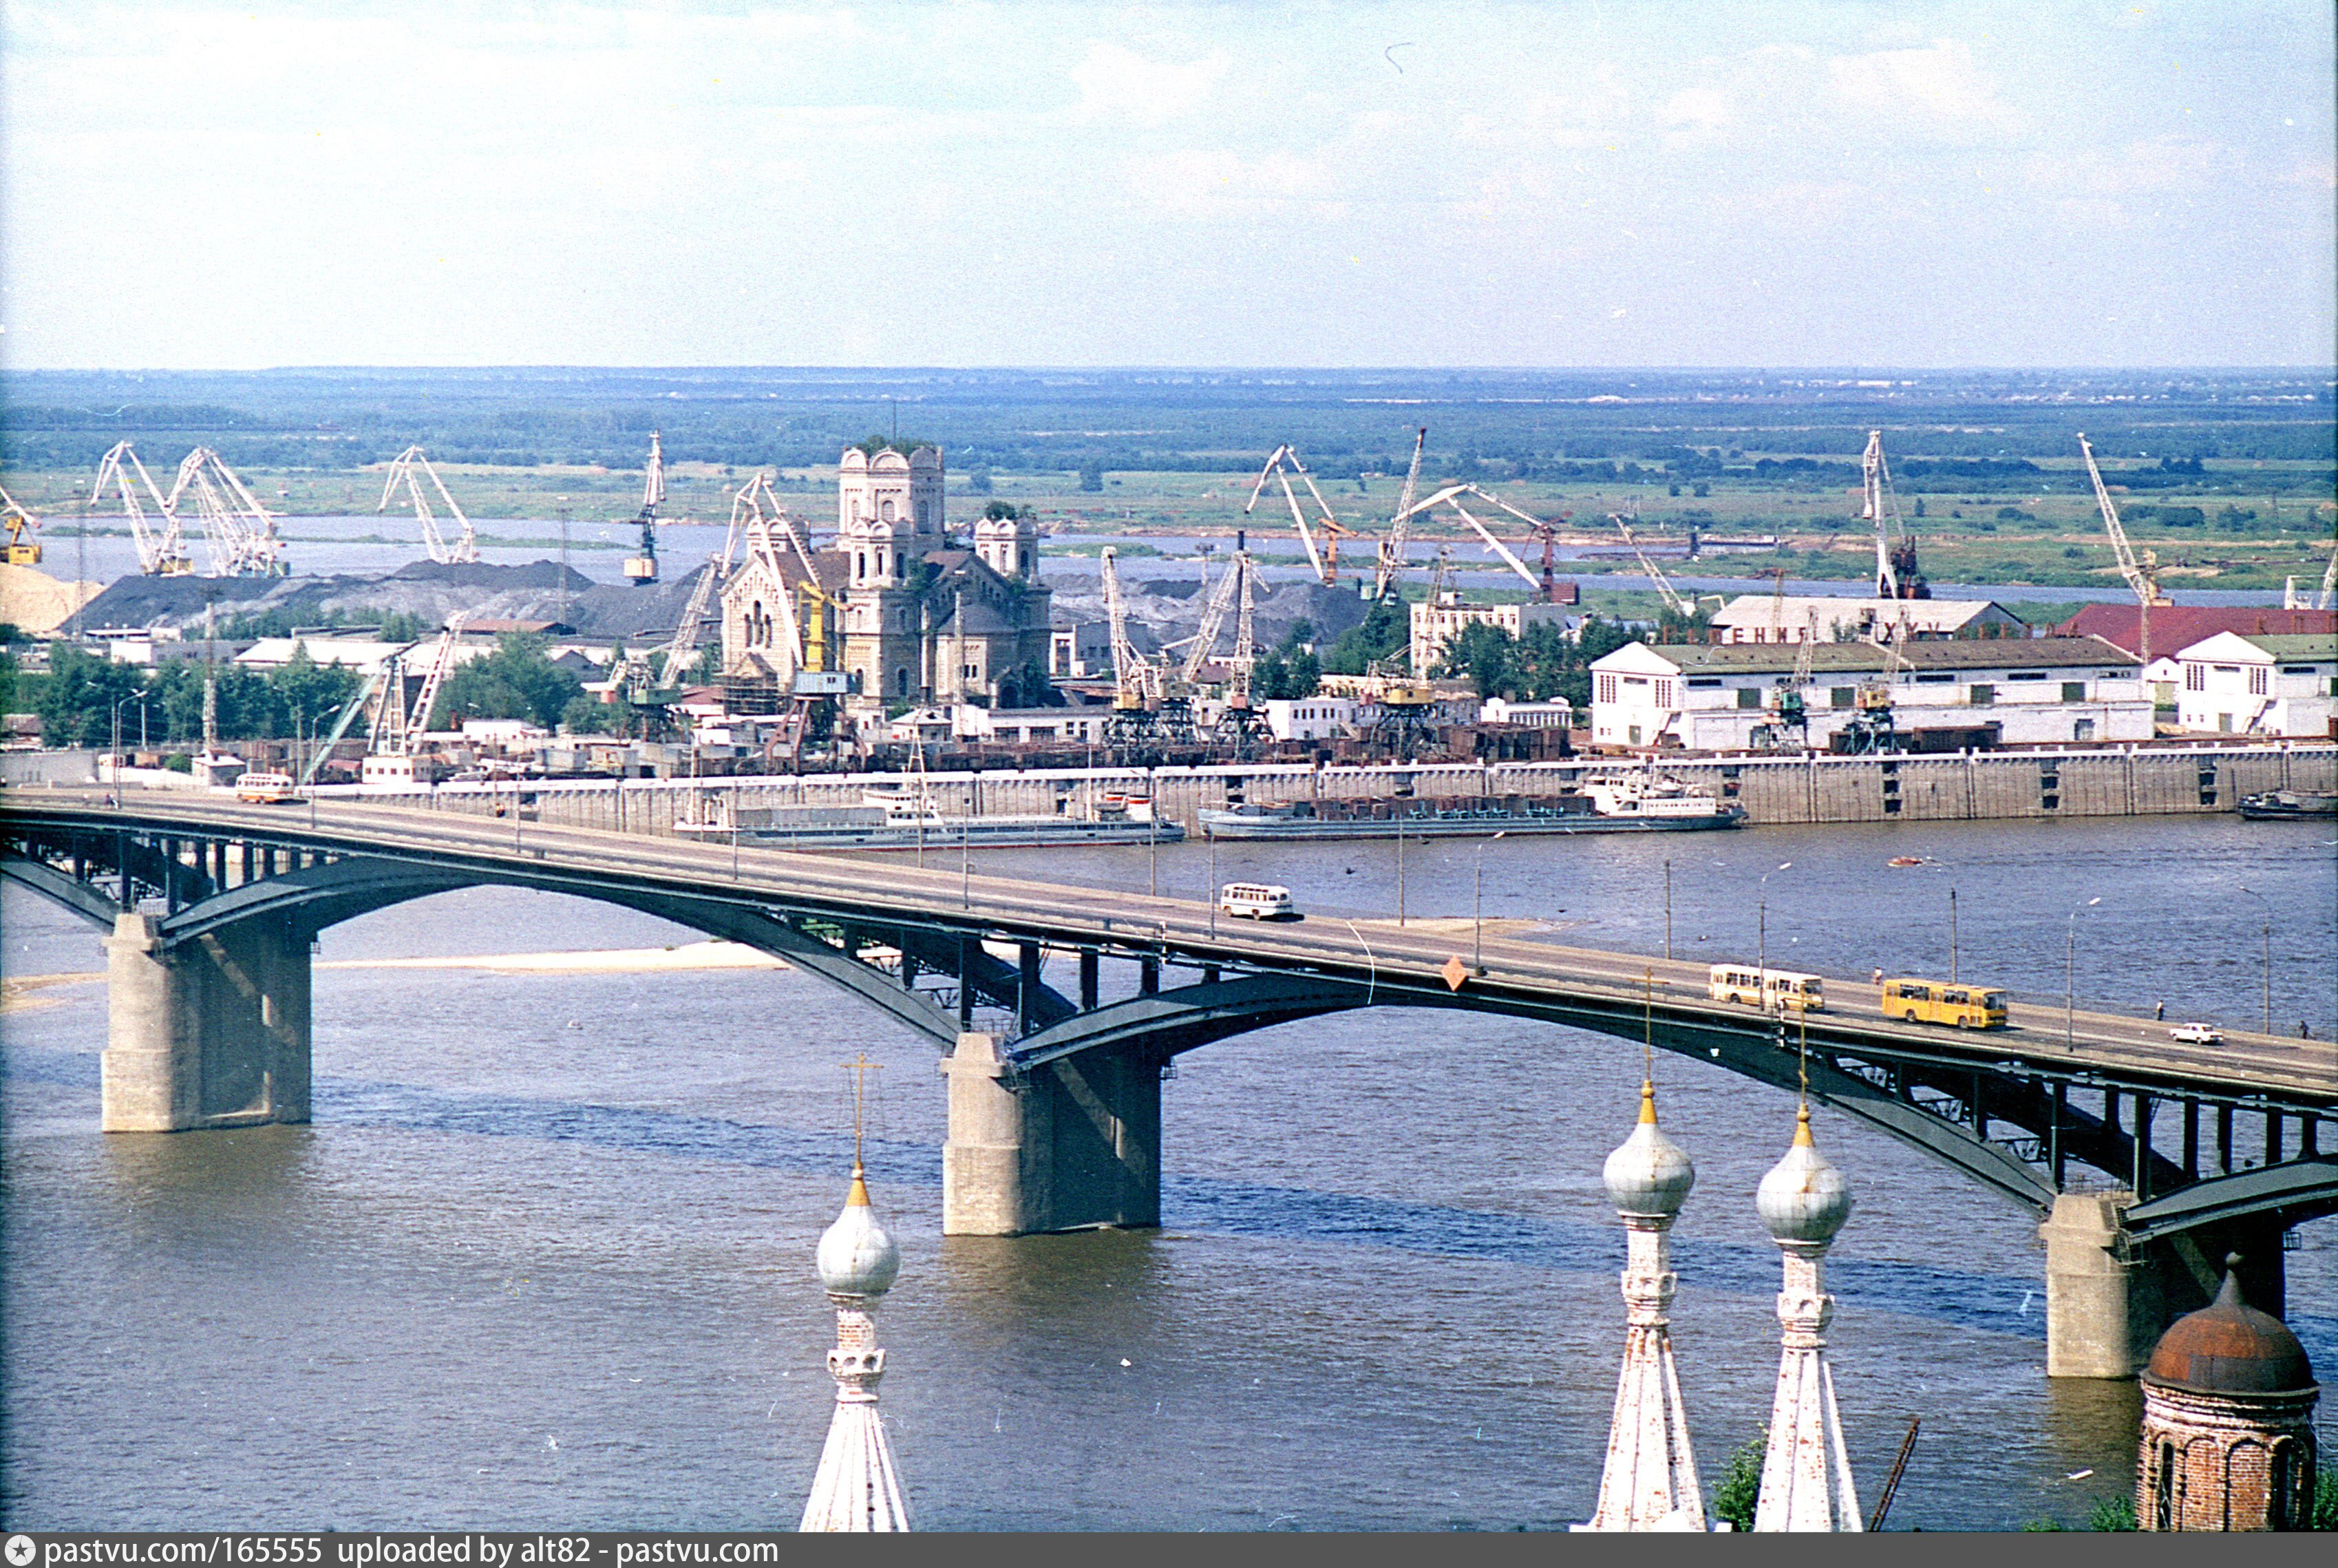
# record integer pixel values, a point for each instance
(2109, 782)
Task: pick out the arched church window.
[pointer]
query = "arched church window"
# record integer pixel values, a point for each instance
(860, 563)
(900, 681)
(885, 510)
(2162, 1489)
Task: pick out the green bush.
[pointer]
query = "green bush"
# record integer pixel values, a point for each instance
(1740, 1491)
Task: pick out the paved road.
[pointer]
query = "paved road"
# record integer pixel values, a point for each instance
(2298, 1072)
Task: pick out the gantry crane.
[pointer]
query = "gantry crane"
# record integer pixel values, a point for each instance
(2141, 572)
(1279, 464)
(402, 468)
(161, 549)
(18, 523)
(642, 570)
(395, 728)
(1392, 558)
(1896, 576)
(238, 532)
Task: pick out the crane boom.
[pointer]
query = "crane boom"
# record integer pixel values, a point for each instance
(1870, 466)
(2142, 573)
(401, 470)
(1213, 617)
(1281, 464)
(240, 532)
(1392, 560)
(162, 552)
(1450, 496)
(1664, 590)
(2328, 581)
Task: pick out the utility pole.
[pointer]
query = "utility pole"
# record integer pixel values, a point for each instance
(1668, 910)
(1952, 936)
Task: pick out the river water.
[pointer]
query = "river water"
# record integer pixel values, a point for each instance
(543, 1259)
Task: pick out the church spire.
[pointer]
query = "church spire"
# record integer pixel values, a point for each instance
(858, 1487)
(1805, 1472)
(1650, 1481)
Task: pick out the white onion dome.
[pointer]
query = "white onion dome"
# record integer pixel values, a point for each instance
(856, 1258)
(1648, 1177)
(1804, 1198)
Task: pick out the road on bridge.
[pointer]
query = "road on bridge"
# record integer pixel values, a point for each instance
(1373, 952)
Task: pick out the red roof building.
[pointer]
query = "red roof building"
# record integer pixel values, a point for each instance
(2175, 627)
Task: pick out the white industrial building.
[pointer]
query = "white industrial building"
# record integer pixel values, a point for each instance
(2266, 684)
(1552, 715)
(1316, 718)
(1436, 624)
(1944, 694)
(1768, 618)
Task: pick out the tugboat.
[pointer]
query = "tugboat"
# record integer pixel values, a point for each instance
(2274, 805)
(1631, 802)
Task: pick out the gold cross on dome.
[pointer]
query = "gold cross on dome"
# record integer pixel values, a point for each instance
(861, 1067)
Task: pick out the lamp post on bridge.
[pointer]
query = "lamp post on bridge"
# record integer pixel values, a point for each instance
(140, 699)
(1478, 907)
(2070, 978)
(1762, 918)
(2266, 904)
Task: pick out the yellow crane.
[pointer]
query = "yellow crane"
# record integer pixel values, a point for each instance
(19, 522)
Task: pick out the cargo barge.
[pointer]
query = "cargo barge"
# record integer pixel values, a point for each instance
(2275, 806)
(1637, 804)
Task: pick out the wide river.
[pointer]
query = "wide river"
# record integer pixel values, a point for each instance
(543, 1259)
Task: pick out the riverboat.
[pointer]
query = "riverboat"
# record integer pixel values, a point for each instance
(2274, 805)
(1629, 804)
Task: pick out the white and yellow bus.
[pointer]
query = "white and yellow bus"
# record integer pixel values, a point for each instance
(1934, 1002)
(1777, 989)
(268, 789)
(1257, 901)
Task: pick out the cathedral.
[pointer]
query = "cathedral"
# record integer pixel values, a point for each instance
(909, 613)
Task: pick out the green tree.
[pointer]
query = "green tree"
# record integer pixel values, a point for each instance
(1092, 476)
(1485, 654)
(1386, 627)
(76, 701)
(587, 714)
(514, 682)
(1740, 1491)
(312, 695)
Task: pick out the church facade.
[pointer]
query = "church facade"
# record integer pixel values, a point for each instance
(907, 612)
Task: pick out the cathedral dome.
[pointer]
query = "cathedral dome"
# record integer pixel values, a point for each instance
(1648, 1177)
(2230, 1347)
(1805, 1198)
(856, 1258)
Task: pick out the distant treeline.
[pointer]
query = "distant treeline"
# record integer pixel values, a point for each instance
(1971, 432)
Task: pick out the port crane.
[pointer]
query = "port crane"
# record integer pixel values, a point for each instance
(2141, 572)
(394, 727)
(1279, 466)
(162, 548)
(1684, 609)
(18, 523)
(1392, 560)
(238, 532)
(642, 570)
(402, 469)
(1896, 576)
(2291, 599)
(1450, 496)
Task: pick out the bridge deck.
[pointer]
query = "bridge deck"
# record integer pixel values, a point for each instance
(1398, 962)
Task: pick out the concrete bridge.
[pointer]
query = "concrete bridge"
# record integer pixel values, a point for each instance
(1055, 1102)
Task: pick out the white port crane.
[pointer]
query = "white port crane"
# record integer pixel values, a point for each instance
(162, 548)
(238, 532)
(755, 513)
(2142, 573)
(394, 728)
(1279, 466)
(1450, 496)
(1670, 595)
(642, 570)
(1135, 678)
(1392, 558)
(2291, 599)
(1234, 593)
(402, 471)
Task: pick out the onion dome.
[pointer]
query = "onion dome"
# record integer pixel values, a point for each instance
(1648, 1177)
(2230, 1347)
(856, 1258)
(1804, 1198)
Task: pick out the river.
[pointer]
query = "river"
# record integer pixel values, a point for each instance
(543, 1259)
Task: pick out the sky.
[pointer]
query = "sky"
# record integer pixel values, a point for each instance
(1577, 182)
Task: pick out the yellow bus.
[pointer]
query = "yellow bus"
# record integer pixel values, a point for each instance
(266, 788)
(1932, 1001)
(1743, 983)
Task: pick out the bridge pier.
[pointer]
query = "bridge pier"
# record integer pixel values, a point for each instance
(2109, 1298)
(207, 1033)
(1073, 1145)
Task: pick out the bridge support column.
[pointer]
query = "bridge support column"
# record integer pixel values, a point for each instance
(211, 1032)
(2109, 1298)
(1073, 1145)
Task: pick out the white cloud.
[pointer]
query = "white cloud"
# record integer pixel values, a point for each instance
(1115, 81)
(1941, 80)
(1194, 180)
(1698, 109)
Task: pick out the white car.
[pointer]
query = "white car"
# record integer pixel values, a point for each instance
(2196, 1034)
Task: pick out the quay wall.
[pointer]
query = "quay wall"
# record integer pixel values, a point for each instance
(2139, 781)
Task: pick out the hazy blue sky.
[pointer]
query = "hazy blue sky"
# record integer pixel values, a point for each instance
(1578, 182)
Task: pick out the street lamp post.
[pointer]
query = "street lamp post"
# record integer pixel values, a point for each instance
(1213, 879)
(1952, 936)
(1668, 910)
(2070, 977)
(1477, 905)
(2266, 904)
(1761, 919)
